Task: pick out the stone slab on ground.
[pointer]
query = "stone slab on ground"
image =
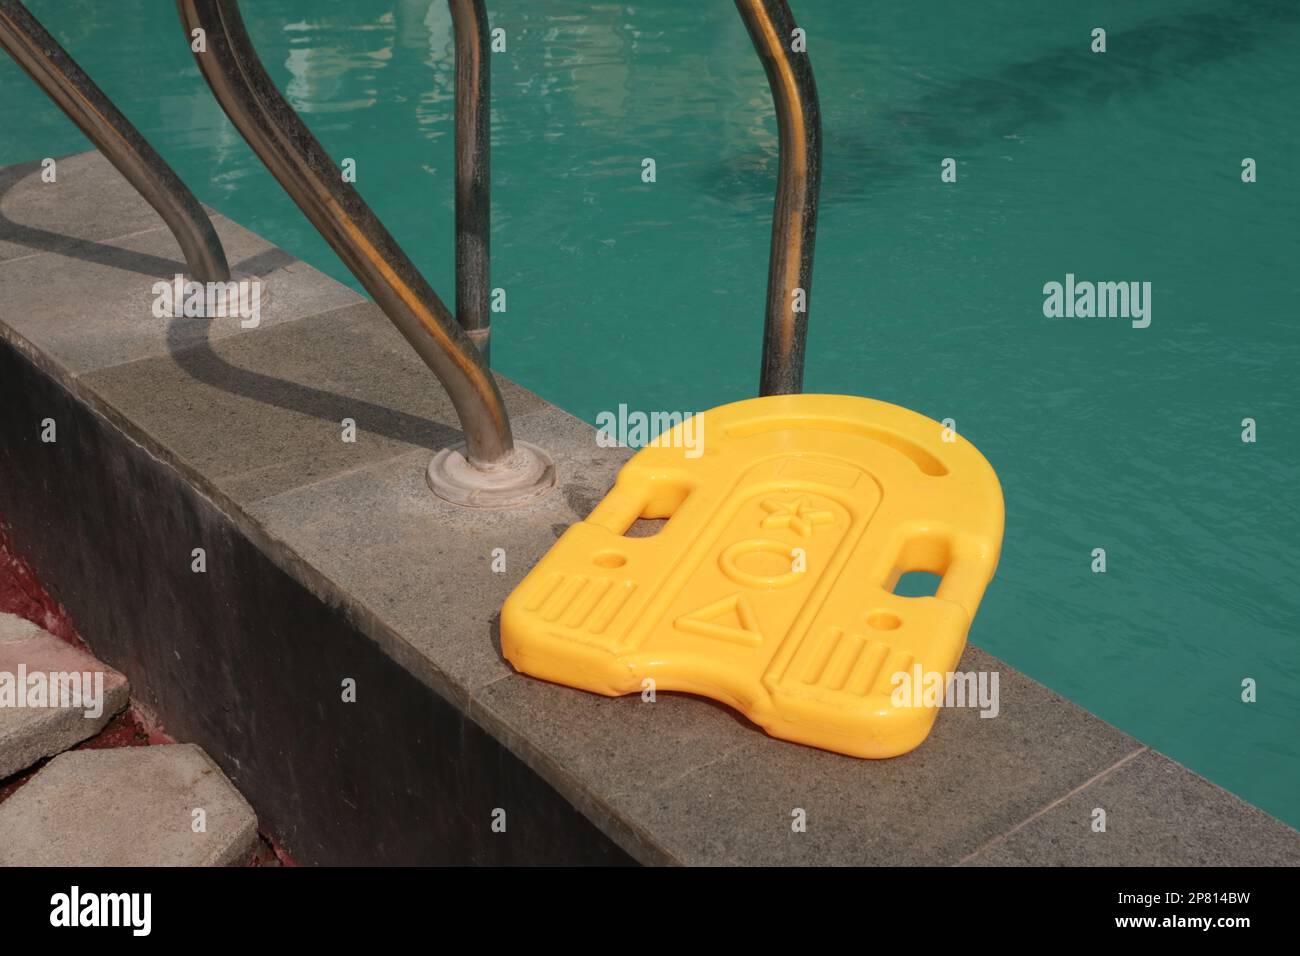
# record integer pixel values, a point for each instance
(30, 734)
(132, 806)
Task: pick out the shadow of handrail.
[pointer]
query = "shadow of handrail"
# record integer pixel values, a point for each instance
(298, 161)
(202, 362)
(59, 76)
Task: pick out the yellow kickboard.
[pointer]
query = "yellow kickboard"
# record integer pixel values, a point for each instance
(770, 587)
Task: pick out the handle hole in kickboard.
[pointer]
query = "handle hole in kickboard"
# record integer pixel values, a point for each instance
(915, 584)
(645, 527)
(920, 566)
(662, 502)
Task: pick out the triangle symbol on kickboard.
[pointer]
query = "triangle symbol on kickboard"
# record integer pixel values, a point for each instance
(731, 619)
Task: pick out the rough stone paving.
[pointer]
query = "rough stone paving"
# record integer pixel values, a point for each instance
(115, 801)
(52, 695)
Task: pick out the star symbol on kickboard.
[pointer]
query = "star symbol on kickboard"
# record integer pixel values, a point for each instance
(798, 515)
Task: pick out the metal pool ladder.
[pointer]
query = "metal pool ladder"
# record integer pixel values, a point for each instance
(491, 469)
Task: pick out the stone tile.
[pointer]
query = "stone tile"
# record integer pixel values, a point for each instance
(30, 734)
(605, 752)
(423, 566)
(90, 306)
(261, 412)
(1158, 813)
(89, 201)
(974, 778)
(133, 806)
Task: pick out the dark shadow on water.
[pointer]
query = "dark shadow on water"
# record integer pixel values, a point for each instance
(1017, 99)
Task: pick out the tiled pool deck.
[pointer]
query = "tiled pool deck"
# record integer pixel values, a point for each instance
(250, 418)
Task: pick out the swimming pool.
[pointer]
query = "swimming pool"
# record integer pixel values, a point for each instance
(1123, 166)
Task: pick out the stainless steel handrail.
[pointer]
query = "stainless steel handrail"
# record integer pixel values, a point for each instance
(294, 156)
(64, 82)
(794, 218)
(473, 171)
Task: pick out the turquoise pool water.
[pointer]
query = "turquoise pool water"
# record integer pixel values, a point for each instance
(1123, 166)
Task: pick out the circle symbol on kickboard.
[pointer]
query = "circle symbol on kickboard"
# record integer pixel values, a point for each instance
(760, 563)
